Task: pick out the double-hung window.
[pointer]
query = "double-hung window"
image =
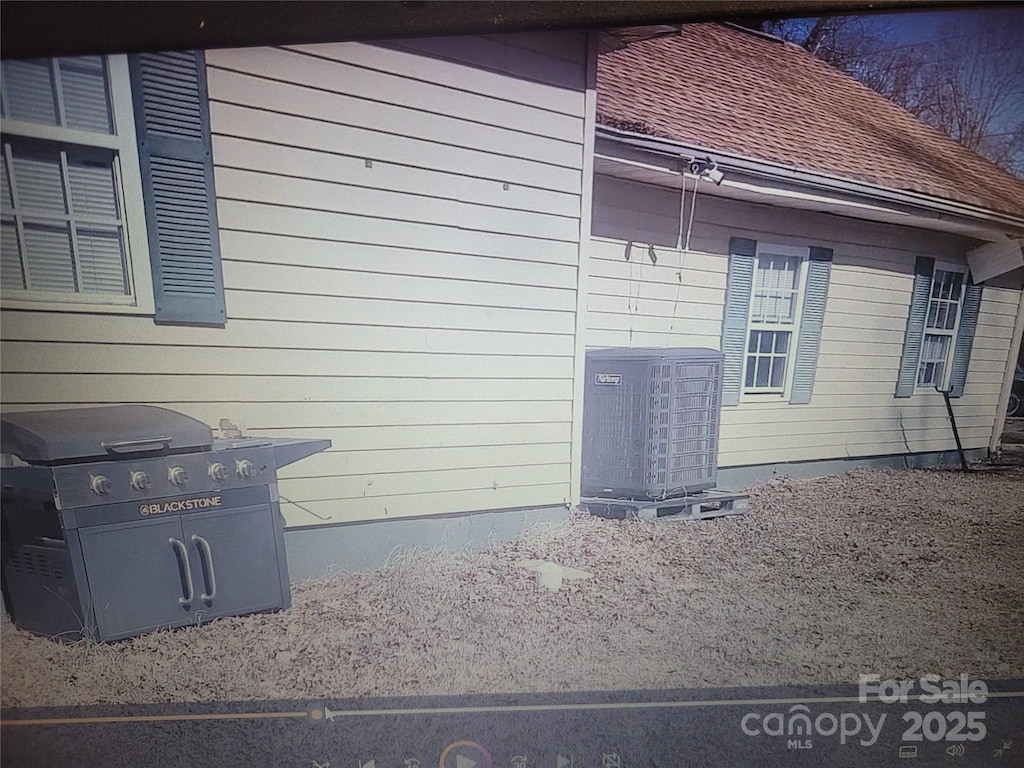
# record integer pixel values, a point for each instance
(941, 324)
(774, 310)
(944, 309)
(108, 192)
(771, 332)
(72, 226)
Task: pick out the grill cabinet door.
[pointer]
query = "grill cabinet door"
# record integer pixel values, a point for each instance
(136, 576)
(235, 562)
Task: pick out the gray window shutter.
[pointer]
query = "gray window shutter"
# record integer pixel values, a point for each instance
(924, 268)
(172, 120)
(819, 268)
(737, 310)
(965, 338)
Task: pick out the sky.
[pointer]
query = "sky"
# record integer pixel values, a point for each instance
(915, 26)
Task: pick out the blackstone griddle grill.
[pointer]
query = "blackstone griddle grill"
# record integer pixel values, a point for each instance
(120, 520)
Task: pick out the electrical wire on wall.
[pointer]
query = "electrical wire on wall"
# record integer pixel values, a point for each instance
(633, 287)
(629, 290)
(683, 246)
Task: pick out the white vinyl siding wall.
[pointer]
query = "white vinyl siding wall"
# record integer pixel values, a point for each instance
(400, 241)
(852, 412)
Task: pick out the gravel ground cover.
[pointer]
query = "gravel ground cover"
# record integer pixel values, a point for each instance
(899, 573)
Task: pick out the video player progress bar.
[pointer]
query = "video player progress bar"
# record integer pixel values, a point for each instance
(331, 714)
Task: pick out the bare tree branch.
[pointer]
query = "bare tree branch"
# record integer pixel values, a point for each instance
(968, 84)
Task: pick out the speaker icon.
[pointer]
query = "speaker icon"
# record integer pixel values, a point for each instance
(957, 750)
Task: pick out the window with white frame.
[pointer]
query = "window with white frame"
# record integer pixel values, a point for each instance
(774, 318)
(775, 297)
(71, 216)
(941, 325)
(945, 305)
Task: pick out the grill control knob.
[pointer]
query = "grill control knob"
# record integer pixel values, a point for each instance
(244, 468)
(100, 484)
(177, 475)
(140, 480)
(218, 472)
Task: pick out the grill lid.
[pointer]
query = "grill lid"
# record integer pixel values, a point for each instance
(51, 437)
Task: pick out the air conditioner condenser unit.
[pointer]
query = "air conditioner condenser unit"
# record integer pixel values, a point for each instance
(651, 422)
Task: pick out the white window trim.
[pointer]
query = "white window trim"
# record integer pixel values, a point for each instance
(139, 299)
(800, 252)
(947, 372)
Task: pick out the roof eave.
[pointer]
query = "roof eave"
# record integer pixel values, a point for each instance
(926, 207)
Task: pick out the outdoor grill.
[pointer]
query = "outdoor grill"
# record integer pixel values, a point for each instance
(124, 519)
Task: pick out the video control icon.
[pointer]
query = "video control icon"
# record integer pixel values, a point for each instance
(465, 754)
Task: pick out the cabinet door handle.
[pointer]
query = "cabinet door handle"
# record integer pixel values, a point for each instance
(185, 570)
(207, 557)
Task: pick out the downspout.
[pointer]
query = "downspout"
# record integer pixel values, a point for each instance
(583, 271)
(1011, 363)
(956, 432)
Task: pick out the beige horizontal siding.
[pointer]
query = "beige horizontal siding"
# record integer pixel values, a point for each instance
(425, 85)
(530, 83)
(325, 106)
(362, 463)
(853, 411)
(381, 259)
(400, 243)
(261, 333)
(637, 303)
(319, 281)
(352, 171)
(326, 512)
(384, 230)
(382, 486)
(109, 357)
(861, 445)
(332, 197)
(380, 438)
(263, 125)
(38, 389)
(257, 417)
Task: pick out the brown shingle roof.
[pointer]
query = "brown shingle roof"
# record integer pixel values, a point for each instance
(733, 91)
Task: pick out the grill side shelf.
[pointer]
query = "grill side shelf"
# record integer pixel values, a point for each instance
(288, 451)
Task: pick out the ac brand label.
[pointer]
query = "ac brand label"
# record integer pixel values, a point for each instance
(180, 505)
(608, 379)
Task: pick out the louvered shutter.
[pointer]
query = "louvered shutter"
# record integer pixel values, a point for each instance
(924, 268)
(819, 268)
(173, 125)
(737, 311)
(965, 338)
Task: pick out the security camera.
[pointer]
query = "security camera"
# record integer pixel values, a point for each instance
(705, 168)
(715, 175)
(698, 166)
